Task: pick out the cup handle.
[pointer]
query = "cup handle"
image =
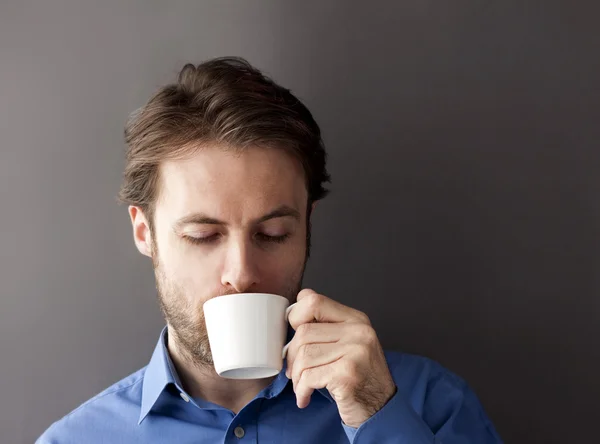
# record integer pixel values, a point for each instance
(286, 346)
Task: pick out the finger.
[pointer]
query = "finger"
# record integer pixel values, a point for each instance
(315, 355)
(318, 333)
(313, 306)
(303, 397)
(311, 380)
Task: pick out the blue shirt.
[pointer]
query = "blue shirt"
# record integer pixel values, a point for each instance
(431, 405)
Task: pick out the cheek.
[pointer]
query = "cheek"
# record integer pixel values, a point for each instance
(183, 260)
(195, 275)
(287, 263)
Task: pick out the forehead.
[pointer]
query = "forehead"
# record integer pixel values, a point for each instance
(235, 185)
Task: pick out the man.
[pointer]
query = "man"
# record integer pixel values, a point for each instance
(224, 169)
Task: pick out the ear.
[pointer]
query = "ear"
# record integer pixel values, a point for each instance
(141, 230)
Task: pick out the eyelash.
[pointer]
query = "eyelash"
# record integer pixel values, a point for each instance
(210, 239)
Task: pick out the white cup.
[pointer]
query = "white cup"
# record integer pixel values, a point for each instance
(247, 332)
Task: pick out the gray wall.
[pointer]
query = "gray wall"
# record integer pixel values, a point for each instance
(464, 218)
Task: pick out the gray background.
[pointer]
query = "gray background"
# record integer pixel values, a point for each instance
(464, 215)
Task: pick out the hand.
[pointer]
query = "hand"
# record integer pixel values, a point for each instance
(335, 347)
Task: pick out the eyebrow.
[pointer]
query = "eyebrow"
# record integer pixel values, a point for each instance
(203, 219)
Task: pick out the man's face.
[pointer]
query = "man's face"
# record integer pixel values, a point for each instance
(226, 222)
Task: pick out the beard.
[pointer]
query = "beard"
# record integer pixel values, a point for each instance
(186, 321)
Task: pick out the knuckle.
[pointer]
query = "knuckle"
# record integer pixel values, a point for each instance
(304, 351)
(304, 376)
(306, 291)
(304, 330)
(309, 351)
(364, 318)
(368, 334)
(313, 299)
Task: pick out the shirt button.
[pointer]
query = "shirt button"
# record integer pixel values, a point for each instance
(239, 432)
(184, 397)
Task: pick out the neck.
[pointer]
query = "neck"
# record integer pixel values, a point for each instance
(202, 381)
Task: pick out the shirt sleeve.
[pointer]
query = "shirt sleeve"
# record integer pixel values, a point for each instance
(398, 423)
(395, 423)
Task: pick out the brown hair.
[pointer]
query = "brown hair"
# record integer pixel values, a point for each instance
(224, 101)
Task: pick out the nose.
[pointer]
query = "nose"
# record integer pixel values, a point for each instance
(240, 271)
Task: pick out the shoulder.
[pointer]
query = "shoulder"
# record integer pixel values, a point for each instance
(427, 384)
(434, 392)
(414, 368)
(110, 409)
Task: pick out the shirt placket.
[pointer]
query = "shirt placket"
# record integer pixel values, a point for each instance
(243, 428)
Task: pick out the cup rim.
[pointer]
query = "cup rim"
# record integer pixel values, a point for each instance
(215, 298)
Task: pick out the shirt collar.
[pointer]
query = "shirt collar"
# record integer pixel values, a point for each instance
(161, 372)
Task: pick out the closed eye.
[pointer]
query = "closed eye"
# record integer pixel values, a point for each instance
(277, 239)
(262, 237)
(202, 240)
